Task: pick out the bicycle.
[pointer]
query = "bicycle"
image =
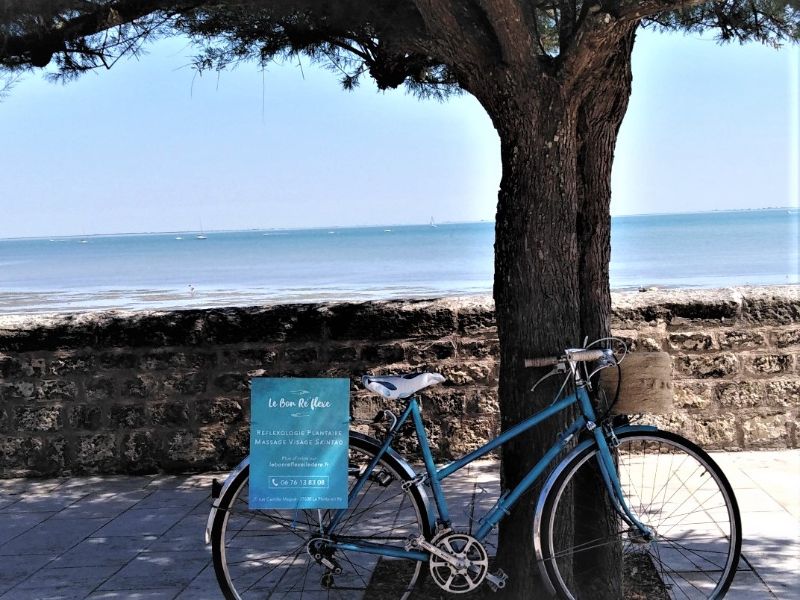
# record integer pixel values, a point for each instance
(668, 516)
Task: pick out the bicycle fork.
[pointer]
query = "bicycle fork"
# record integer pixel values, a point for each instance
(608, 471)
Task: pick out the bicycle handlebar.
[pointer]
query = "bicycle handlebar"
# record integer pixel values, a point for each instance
(572, 355)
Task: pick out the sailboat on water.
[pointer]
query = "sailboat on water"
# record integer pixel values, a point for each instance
(202, 234)
(433, 223)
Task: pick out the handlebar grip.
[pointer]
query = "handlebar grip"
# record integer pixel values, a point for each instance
(587, 355)
(575, 355)
(545, 361)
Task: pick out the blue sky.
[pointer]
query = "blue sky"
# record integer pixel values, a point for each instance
(150, 146)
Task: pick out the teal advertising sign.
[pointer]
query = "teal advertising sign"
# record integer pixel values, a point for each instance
(299, 433)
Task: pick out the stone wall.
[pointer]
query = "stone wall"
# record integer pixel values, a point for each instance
(141, 392)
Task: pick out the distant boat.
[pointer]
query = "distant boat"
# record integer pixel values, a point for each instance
(202, 234)
(179, 238)
(433, 223)
(388, 230)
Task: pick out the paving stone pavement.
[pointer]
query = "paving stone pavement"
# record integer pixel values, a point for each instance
(141, 538)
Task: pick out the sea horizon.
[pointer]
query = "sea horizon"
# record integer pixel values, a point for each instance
(171, 270)
(368, 226)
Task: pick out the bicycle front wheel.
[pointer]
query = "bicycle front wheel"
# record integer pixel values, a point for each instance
(671, 486)
(276, 553)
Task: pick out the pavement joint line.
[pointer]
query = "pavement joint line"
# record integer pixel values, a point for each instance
(71, 547)
(95, 588)
(186, 498)
(758, 575)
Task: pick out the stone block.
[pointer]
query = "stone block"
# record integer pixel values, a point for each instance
(712, 433)
(482, 401)
(191, 383)
(42, 418)
(708, 366)
(58, 389)
(480, 348)
(141, 386)
(84, 416)
(768, 431)
(18, 453)
(383, 353)
(342, 354)
(471, 433)
(768, 364)
(690, 342)
(786, 337)
(140, 452)
(218, 410)
(166, 359)
(22, 390)
(435, 351)
(674, 307)
(20, 366)
(771, 306)
(783, 393)
(450, 402)
(66, 364)
(95, 453)
(693, 395)
(476, 318)
(740, 394)
(232, 382)
(250, 358)
(237, 444)
(168, 414)
(466, 373)
(186, 449)
(120, 359)
(284, 323)
(31, 456)
(100, 389)
(390, 320)
(741, 339)
(128, 416)
(301, 355)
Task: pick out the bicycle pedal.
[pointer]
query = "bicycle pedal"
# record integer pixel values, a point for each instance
(383, 478)
(496, 580)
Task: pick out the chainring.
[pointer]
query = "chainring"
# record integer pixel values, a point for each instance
(473, 562)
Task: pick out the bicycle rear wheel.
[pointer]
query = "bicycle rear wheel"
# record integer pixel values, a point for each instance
(266, 553)
(674, 488)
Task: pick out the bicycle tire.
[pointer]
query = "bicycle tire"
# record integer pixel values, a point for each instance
(673, 487)
(263, 553)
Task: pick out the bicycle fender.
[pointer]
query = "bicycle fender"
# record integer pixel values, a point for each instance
(401, 462)
(215, 504)
(551, 480)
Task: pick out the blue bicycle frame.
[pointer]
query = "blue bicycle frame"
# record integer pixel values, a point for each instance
(435, 476)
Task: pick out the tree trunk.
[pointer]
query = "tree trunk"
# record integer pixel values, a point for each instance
(552, 253)
(535, 284)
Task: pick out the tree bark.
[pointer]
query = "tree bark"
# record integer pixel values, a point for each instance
(599, 119)
(552, 253)
(536, 279)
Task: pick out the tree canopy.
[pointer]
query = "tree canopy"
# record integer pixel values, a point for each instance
(394, 41)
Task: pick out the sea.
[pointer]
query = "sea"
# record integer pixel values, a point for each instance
(238, 268)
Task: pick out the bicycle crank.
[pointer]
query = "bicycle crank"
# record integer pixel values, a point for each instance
(458, 562)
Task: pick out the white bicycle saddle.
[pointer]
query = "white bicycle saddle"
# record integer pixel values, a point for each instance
(396, 387)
